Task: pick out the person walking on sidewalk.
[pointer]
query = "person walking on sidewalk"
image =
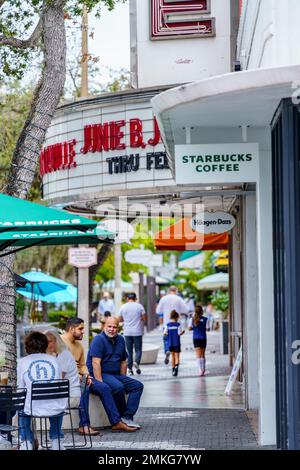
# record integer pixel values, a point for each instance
(106, 304)
(133, 317)
(165, 306)
(173, 331)
(107, 363)
(198, 326)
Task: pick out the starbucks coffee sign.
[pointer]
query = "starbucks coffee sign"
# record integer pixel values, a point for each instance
(213, 222)
(216, 163)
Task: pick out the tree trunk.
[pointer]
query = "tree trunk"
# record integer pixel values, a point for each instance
(26, 155)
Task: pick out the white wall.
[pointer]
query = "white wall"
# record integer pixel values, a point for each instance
(250, 298)
(266, 373)
(157, 62)
(269, 33)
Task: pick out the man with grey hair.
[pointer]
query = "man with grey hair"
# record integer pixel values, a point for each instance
(170, 302)
(107, 363)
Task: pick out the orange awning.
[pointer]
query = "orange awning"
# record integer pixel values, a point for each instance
(181, 237)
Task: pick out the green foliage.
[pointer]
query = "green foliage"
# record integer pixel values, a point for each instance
(51, 259)
(190, 285)
(60, 315)
(143, 237)
(208, 264)
(191, 278)
(119, 81)
(20, 307)
(75, 7)
(18, 19)
(14, 106)
(220, 301)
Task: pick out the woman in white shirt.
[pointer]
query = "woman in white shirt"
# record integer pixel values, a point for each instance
(38, 365)
(66, 361)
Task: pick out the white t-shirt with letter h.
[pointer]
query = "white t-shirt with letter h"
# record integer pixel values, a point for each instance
(40, 367)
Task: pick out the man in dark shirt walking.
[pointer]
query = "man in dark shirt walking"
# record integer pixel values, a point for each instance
(107, 363)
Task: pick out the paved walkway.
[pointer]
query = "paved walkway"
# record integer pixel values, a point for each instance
(187, 412)
(183, 429)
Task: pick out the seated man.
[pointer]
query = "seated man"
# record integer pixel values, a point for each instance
(73, 338)
(107, 364)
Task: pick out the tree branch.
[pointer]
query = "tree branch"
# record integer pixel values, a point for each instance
(23, 43)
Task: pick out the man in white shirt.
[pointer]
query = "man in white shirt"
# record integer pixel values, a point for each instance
(170, 302)
(106, 305)
(133, 316)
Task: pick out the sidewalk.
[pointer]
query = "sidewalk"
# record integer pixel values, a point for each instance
(187, 412)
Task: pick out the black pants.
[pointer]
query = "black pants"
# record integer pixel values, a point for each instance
(135, 341)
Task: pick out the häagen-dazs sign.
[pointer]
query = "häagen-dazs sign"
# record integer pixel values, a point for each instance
(217, 163)
(213, 222)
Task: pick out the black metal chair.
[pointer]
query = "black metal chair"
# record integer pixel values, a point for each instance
(12, 401)
(79, 408)
(49, 390)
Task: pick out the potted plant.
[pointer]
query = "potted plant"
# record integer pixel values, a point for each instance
(220, 301)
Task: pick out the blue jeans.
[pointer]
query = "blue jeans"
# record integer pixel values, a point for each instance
(121, 385)
(84, 419)
(104, 392)
(26, 432)
(166, 343)
(136, 342)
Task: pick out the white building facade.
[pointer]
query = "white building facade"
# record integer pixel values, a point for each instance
(181, 41)
(269, 35)
(259, 104)
(102, 148)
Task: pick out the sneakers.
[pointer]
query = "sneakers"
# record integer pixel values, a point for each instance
(175, 370)
(167, 358)
(130, 372)
(55, 445)
(137, 368)
(25, 445)
(130, 423)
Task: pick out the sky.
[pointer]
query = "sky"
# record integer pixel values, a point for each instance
(110, 43)
(111, 37)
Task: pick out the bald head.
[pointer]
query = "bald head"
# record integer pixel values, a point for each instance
(111, 327)
(173, 290)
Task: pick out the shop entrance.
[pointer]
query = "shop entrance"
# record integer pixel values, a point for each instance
(232, 330)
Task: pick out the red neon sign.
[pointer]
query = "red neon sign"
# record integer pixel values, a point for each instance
(181, 18)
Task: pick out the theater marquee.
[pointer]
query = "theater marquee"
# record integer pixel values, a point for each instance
(103, 148)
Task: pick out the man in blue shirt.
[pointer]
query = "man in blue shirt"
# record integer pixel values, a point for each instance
(107, 364)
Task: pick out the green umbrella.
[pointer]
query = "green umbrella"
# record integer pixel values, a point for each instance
(20, 240)
(18, 214)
